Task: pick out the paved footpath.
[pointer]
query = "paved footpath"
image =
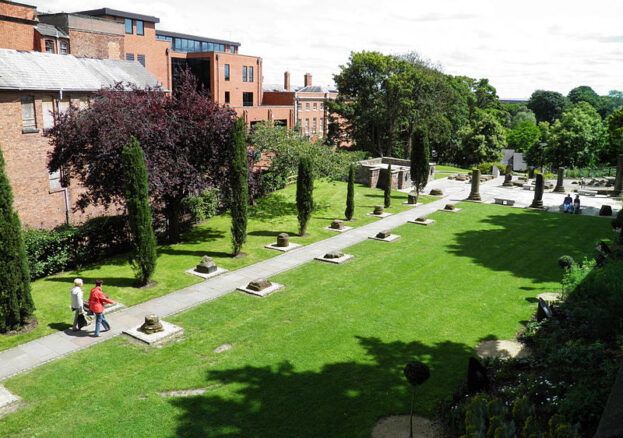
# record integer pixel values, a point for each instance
(48, 348)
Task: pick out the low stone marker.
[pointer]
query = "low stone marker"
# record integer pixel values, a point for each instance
(474, 194)
(206, 268)
(385, 236)
(379, 212)
(155, 331)
(335, 257)
(261, 287)
(605, 210)
(412, 198)
(436, 192)
(422, 220)
(508, 176)
(451, 208)
(338, 226)
(283, 243)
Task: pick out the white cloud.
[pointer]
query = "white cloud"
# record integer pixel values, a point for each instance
(519, 46)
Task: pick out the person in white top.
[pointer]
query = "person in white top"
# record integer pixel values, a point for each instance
(77, 301)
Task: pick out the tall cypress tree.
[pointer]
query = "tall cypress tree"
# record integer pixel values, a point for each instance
(16, 305)
(139, 211)
(350, 194)
(239, 174)
(304, 193)
(420, 157)
(387, 191)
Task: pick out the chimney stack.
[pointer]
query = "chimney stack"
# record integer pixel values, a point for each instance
(308, 79)
(286, 81)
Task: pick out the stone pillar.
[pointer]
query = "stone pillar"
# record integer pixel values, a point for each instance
(537, 202)
(474, 195)
(531, 172)
(508, 177)
(618, 182)
(560, 188)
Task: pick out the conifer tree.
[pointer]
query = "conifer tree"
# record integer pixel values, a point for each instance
(16, 305)
(420, 157)
(350, 194)
(387, 191)
(139, 211)
(239, 173)
(304, 193)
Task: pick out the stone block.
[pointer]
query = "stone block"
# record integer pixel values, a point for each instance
(259, 285)
(169, 331)
(218, 271)
(206, 266)
(274, 287)
(423, 221)
(330, 258)
(283, 240)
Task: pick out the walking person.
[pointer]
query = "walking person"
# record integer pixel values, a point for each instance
(96, 303)
(77, 303)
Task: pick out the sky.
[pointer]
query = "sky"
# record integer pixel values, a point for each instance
(520, 46)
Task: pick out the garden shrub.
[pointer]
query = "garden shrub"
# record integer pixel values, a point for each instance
(566, 262)
(203, 206)
(487, 168)
(49, 251)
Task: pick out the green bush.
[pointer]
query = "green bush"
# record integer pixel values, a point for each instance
(49, 251)
(565, 262)
(202, 207)
(487, 168)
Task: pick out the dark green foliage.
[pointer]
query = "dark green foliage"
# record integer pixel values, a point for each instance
(49, 251)
(420, 158)
(387, 188)
(547, 105)
(304, 193)
(487, 168)
(416, 373)
(239, 172)
(139, 211)
(16, 305)
(566, 262)
(350, 194)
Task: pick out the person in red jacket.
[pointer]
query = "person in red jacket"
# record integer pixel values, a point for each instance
(96, 304)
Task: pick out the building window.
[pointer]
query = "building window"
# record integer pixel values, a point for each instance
(247, 99)
(321, 106)
(307, 126)
(29, 122)
(244, 73)
(227, 97)
(315, 126)
(307, 107)
(140, 27)
(141, 59)
(128, 26)
(315, 107)
(129, 56)
(299, 107)
(226, 72)
(49, 46)
(321, 126)
(47, 112)
(64, 48)
(232, 49)
(250, 74)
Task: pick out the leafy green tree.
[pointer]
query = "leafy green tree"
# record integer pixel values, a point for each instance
(547, 105)
(239, 172)
(577, 139)
(350, 193)
(16, 305)
(483, 139)
(139, 211)
(522, 115)
(535, 154)
(585, 94)
(523, 136)
(304, 193)
(611, 102)
(387, 187)
(614, 144)
(420, 159)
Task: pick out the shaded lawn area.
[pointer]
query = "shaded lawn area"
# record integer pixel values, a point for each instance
(274, 214)
(324, 356)
(441, 168)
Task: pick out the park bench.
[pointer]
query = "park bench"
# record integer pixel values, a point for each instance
(585, 192)
(502, 201)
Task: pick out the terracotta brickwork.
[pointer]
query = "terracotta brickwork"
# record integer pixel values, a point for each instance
(17, 30)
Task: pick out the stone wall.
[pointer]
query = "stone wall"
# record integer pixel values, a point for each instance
(371, 172)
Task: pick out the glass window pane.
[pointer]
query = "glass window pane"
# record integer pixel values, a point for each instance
(129, 56)
(250, 74)
(128, 25)
(204, 46)
(141, 59)
(28, 113)
(140, 30)
(244, 73)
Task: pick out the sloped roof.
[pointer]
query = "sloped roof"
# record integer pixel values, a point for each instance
(51, 31)
(315, 89)
(46, 71)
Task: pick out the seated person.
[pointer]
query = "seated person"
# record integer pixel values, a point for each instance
(576, 204)
(567, 204)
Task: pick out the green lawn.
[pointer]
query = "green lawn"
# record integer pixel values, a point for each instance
(441, 168)
(273, 215)
(324, 356)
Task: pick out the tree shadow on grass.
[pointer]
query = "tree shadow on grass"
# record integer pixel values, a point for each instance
(262, 233)
(89, 282)
(342, 399)
(527, 245)
(172, 250)
(200, 234)
(273, 206)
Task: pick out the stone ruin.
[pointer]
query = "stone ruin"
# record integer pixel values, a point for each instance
(378, 210)
(421, 219)
(283, 240)
(384, 234)
(369, 172)
(206, 265)
(337, 224)
(436, 192)
(474, 194)
(450, 207)
(151, 325)
(334, 255)
(412, 197)
(259, 285)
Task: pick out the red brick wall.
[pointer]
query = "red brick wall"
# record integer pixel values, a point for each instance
(278, 98)
(96, 45)
(17, 11)
(16, 36)
(26, 157)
